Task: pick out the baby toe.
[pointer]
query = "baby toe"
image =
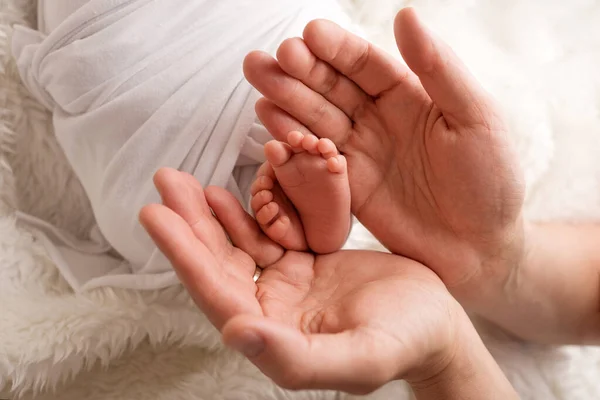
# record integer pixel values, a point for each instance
(337, 164)
(295, 139)
(309, 143)
(261, 183)
(277, 153)
(261, 199)
(267, 213)
(279, 228)
(327, 148)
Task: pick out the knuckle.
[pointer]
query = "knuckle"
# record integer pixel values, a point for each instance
(317, 115)
(331, 81)
(359, 112)
(361, 61)
(290, 92)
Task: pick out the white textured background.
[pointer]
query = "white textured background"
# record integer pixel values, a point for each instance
(539, 57)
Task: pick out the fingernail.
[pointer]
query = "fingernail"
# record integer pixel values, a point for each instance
(249, 344)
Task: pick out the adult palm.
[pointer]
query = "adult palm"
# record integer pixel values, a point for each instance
(432, 173)
(351, 320)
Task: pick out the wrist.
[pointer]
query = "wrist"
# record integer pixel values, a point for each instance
(444, 349)
(499, 267)
(533, 298)
(469, 371)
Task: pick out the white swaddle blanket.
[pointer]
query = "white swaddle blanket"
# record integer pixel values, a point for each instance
(135, 85)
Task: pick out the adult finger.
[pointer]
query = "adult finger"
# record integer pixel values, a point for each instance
(197, 268)
(277, 121)
(371, 68)
(309, 107)
(298, 61)
(351, 361)
(183, 194)
(242, 229)
(446, 79)
(191, 205)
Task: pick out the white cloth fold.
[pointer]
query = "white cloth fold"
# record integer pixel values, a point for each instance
(135, 85)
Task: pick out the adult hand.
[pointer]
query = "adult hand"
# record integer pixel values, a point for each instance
(351, 321)
(432, 173)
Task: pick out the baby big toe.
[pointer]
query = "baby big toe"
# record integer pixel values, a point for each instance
(277, 153)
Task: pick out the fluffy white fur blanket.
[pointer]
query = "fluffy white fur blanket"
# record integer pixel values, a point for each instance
(539, 57)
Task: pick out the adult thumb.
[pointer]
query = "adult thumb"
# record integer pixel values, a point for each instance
(349, 361)
(443, 75)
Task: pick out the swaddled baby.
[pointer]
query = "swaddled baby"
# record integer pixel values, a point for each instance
(135, 85)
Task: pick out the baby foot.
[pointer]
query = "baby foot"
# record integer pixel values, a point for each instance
(314, 177)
